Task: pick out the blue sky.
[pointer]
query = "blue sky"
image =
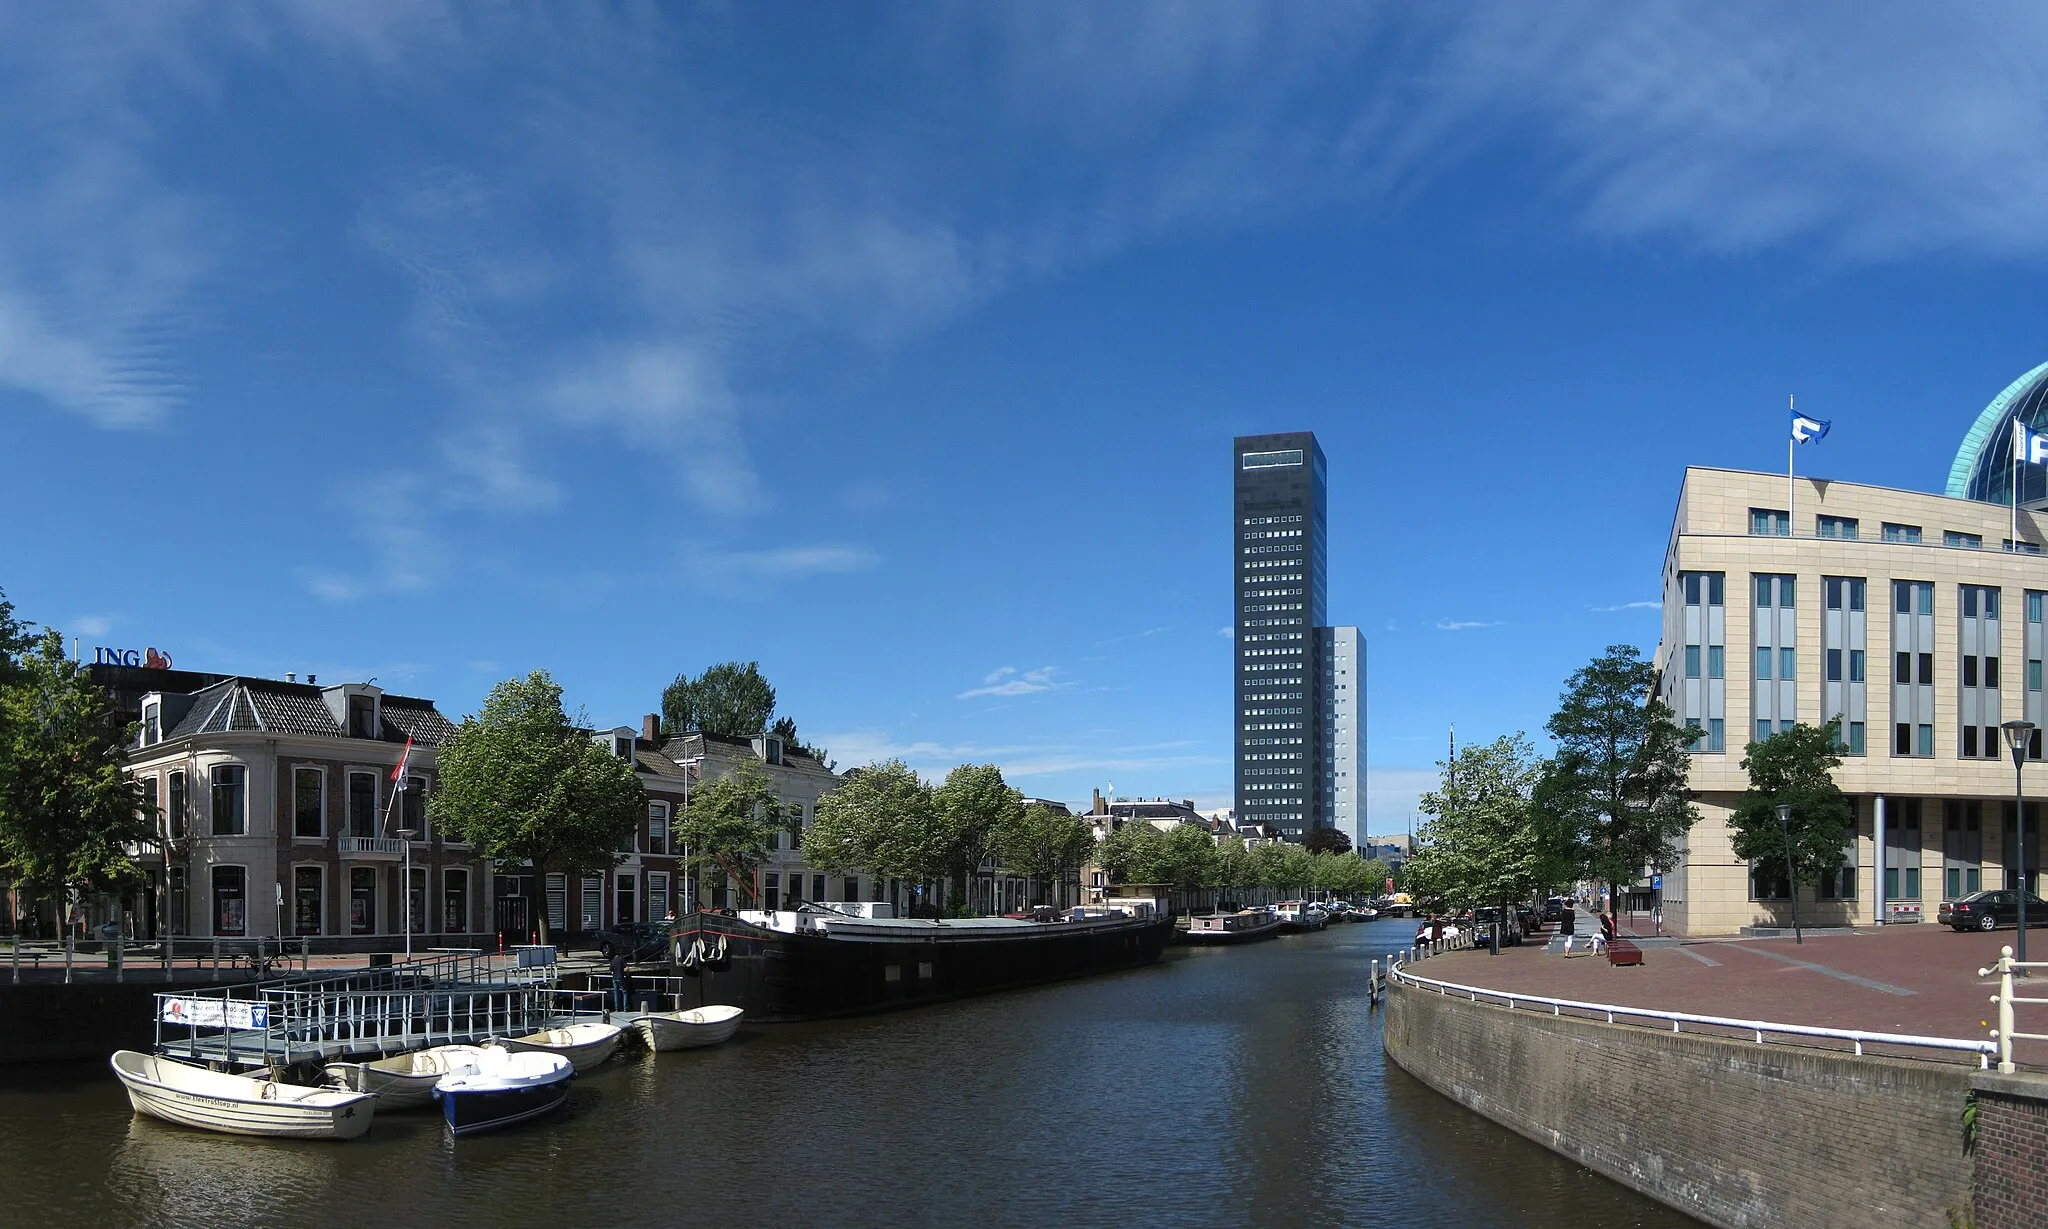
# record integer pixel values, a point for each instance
(900, 346)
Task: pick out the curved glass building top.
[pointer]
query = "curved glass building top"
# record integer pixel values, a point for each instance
(1983, 465)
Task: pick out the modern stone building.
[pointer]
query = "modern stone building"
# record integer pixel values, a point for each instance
(1915, 619)
(1340, 671)
(1286, 685)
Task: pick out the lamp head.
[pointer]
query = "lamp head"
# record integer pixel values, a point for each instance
(408, 833)
(2019, 735)
(1785, 815)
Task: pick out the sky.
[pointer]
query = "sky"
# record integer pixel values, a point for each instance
(899, 347)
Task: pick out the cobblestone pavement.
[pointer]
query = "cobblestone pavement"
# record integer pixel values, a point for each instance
(1917, 979)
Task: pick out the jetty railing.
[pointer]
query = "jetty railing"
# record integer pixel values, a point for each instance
(1762, 1031)
(2003, 1036)
(447, 998)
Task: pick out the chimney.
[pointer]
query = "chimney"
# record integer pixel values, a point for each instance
(1098, 808)
(312, 679)
(291, 676)
(650, 727)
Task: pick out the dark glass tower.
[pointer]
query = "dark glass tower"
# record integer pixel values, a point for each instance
(1279, 484)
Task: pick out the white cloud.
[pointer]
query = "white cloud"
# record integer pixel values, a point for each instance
(787, 562)
(1462, 625)
(92, 625)
(1627, 606)
(1001, 682)
(1228, 633)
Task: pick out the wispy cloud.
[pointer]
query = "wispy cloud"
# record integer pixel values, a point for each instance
(1627, 606)
(1462, 625)
(1009, 681)
(91, 625)
(790, 562)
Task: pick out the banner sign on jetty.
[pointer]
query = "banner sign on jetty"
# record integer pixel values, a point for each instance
(215, 1012)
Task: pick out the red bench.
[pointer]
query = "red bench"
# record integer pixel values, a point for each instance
(1623, 951)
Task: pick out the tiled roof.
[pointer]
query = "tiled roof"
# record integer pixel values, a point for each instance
(418, 719)
(300, 709)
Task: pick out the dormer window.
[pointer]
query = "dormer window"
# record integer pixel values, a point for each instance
(362, 717)
(769, 748)
(152, 724)
(623, 748)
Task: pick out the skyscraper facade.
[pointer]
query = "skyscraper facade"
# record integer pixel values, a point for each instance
(1340, 669)
(1280, 498)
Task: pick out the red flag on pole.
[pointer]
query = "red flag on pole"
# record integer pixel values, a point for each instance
(398, 773)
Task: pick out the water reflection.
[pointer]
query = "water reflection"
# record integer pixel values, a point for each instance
(1234, 1086)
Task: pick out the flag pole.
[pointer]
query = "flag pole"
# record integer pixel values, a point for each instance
(1790, 493)
(2017, 436)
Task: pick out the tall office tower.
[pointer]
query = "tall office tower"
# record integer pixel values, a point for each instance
(1280, 489)
(1340, 668)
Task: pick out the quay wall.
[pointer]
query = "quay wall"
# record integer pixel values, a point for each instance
(45, 1022)
(1736, 1134)
(2011, 1149)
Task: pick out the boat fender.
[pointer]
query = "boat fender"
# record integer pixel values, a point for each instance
(686, 954)
(716, 957)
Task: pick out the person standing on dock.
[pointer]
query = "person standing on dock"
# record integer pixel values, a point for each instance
(622, 981)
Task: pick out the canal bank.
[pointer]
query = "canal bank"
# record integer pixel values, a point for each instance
(1237, 1085)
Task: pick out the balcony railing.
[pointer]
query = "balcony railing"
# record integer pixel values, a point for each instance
(369, 844)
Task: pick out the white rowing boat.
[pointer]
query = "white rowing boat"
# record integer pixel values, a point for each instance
(237, 1104)
(686, 1030)
(584, 1045)
(404, 1081)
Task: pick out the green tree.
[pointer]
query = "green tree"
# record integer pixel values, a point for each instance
(15, 641)
(1327, 840)
(975, 802)
(1481, 844)
(1614, 800)
(1189, 860)
(68, 809)
(1045, 846)
(1267, 862)
(1234, 868)
(521, 783)
(881, 819)
(730, 699)
(1794, 767)
(728, 824)
(1347, 875)
(1134, 853)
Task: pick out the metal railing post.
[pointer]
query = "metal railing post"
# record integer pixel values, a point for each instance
(2003, 1033)
(67, 955)
(120, 958)
(17, 957)
(216, 957)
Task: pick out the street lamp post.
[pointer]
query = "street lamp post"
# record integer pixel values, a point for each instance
(2019, 735)
(405, 893)
(1791, 879)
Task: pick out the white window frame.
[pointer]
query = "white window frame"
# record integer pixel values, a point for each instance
(468, 899)
(376, 776)
(211, 785)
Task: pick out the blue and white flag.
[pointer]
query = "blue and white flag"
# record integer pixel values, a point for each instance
(1807, 430)
(2028, 444)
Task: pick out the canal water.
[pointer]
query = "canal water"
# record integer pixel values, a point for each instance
(1234, 1086)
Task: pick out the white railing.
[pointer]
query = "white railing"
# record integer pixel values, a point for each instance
(2002, 1036)
(1761, 1030)
(369, 844)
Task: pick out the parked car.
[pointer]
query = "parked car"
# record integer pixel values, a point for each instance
(1992, 908)
(1527, 917)
(639, 940)
(1555, 908)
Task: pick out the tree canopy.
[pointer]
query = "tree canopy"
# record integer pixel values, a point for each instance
(730, 699)
(1614, 799)
(974, 803)
(1327, 840)
(1795, 767)
(728, 822)
(1044, 846)
(880, 819)
(68, 808)
(1481, 844)
(520, 783)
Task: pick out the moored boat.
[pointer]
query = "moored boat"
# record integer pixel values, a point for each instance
(1297, 916)
(1243, 926)
(686, 1030)
(238, 1104)
(404, 1081)
(503, 1087)
(844, 960)
(584, 1045)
